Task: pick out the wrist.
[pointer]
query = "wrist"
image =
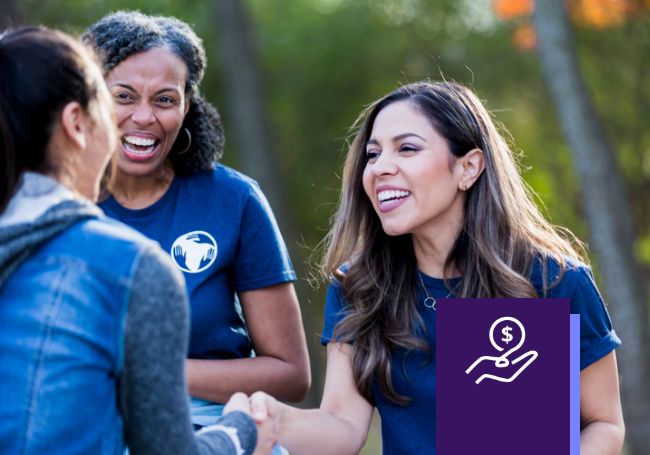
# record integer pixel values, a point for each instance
(283, 419)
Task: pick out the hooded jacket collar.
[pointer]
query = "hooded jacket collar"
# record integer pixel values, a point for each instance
(41, 209)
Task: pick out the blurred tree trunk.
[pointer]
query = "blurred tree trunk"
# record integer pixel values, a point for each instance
(240, 71)
(606, 209)
(9, 15)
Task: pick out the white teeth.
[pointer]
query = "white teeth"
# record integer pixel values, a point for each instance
(386, 196)
(139, 152)
(139, 141)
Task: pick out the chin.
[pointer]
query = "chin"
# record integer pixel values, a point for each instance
(394, 230)
(136, 169)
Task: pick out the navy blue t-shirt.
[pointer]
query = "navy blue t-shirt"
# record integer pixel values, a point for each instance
(220, 231)
(412, 429)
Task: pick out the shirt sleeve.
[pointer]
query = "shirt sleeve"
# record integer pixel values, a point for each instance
(262, 258)
(334, 313)
(597, 337)
(153, 397)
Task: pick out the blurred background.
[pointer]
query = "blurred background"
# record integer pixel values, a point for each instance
(289, 77)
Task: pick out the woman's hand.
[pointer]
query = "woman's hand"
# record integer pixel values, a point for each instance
(238, 402)
(266, 410)
(266, 413)
(339, 427)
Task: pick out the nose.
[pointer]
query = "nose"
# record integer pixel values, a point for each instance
(143, 115)
(385, 164)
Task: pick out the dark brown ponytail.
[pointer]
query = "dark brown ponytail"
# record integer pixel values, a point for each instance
(41, 71)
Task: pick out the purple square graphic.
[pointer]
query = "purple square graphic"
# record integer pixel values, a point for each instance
(575, 384)
(529, 414)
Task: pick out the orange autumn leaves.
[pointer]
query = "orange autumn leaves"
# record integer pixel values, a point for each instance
(511, 9)
(600, 14)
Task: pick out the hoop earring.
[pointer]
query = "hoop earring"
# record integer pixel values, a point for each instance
(189, 142)
(464, 187)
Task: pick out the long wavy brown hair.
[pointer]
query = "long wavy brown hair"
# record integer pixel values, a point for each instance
(502, 237)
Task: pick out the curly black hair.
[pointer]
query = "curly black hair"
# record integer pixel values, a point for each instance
(120, 35)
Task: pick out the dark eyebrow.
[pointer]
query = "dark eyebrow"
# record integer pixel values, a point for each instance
(405, 135)
(395, 139)
(128, 87)
(167, 90)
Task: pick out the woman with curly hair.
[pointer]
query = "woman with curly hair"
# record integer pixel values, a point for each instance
(433, 206)
(214, 222)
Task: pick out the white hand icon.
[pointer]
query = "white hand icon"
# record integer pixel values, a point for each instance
(503, 361)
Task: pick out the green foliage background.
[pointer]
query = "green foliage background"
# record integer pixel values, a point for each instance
(324, 60)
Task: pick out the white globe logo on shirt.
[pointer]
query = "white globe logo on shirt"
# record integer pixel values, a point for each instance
(194, 252)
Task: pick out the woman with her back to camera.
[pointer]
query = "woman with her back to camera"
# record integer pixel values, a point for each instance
(93, 315)
(214, 222)
(433, 206)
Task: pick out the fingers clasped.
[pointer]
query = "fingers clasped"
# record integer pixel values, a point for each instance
(264, 409)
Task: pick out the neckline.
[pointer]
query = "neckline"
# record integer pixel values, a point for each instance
(438, 283)
(153, 208)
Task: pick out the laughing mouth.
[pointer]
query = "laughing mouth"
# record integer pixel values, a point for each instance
(390, 197)
(139, 145)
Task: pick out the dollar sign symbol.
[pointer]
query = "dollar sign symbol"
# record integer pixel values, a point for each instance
(506, 332)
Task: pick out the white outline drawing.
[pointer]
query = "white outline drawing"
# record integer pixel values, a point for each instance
(194, 253)
(502, 361)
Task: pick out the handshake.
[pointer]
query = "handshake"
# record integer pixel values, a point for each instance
(265, 411)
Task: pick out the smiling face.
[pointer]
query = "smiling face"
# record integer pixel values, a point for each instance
(149, 93)
(411, 177)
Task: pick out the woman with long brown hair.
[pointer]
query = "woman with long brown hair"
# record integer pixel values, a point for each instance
(433, 206)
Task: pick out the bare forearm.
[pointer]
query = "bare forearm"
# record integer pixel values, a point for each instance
(218, 380)
(601, 417)
(315, 431)
(341, 424)
(601, 438)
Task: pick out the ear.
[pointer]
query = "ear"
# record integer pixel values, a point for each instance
(473, 166)
(73, 123)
